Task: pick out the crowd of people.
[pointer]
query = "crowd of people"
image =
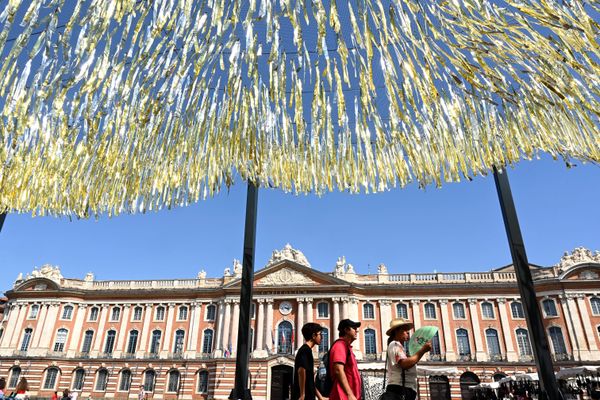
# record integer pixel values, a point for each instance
(20, 391)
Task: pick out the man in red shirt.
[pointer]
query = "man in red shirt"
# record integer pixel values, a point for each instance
(344, 369)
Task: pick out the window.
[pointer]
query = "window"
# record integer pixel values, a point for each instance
(487, 310)
(155, 343)
(67, 312)
(435, 345)
(516, 309)
(179, 336)
(160, 313)
(132, 342)
(370, 345)
(183, 312)
(50, 381)
(323, 310)
(493, 344)
(462, 339)
(203, 382)
(110, 342)
(149, 380)
(459, 311)
(101, 380)
(523, 343)
(558, 341)
(549, 307)
(125, 382)
(116, 314)
(429, 311)
(207, 341)
(137, 313)
(78, 379)
(15, 373)
(87, 341)
(94, 314)
(173, 385)
(284, 338)
(61, 339)
(595, 302)
(33, 312)
(401, 310)
(211, 311)
(368, 311)
(26, 339)
(324, 346)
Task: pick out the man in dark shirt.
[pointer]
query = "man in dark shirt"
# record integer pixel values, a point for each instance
(304, 365)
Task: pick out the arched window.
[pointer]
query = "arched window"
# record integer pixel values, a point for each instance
(211, 312)
(523, 343)
(50, 381)
(132, 342)
(368, 311)
(61, 339)
(33, 312)
(459, 310)
(101, 380)
(116, 314)
(493, 344)
(323, 310)
(516, 309)
(284, 338)
(125, 381)
(87, 341)
(467, 380)
(558, 343)
(67, 312)
(79, 377)
(173, 385)
(462, 339)
(439, 387)
(155, 343)
(370, 344)
(549, 307)
(137, 313)
(15, 374)
(401, 310)
(207, 341)
(487, 310)
(94, 314)
(324, 346)
(26, 339)
(149, 380)
(203, 382)
(183, 311)
(429, 311)
(160, 313)
(595, 302)
(110, 341)
(179, 336)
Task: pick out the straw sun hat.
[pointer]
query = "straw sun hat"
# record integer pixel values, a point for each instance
(398, 323)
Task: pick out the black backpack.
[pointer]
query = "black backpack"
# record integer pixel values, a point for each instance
(324, 379)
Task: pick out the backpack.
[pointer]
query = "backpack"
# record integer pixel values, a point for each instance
(324, 379)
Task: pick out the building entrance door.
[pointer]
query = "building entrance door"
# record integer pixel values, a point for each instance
(439, 388)
(282, 377)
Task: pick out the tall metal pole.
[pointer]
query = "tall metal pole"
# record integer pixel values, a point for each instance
(2, 218)
(541, 350)
(241, 389)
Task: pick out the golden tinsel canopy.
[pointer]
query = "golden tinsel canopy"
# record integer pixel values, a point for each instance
(134, 105)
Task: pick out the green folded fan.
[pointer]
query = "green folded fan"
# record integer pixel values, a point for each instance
(420, 337)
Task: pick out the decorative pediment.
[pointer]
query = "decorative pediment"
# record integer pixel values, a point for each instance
(285, 277)
(290, 254)
(580, 255)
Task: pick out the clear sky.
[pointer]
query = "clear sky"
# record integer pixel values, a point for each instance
(456, 228)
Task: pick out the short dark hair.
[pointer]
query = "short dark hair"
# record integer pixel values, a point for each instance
(309, 329)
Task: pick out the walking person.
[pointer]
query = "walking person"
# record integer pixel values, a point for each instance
(347, 384)
(2, 387)
(401, 368)
(304, 364)
(22, 389)
(142, 393)
(66, 395)
(54, 396)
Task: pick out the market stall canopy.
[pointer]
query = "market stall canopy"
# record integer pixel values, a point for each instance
(127, 106)
(572, 372)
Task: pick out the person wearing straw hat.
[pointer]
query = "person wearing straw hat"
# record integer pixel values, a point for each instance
(402, 368)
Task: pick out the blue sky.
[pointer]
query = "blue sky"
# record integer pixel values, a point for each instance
(455, 228)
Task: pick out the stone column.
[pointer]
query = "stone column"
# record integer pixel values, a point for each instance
(580, 343)
(235, 327)
(309, 310)
(480, 354)
(75, 334)
(416, 312)
(194, 329)
(226, 324)
(145, 330)
(122, 334)
(269, 335)
(353, 315)
(570, 327)
(345, 313)
(260, 325)
(336, 318)
(168, 335)
(49, 325)
(511, 354)
(13, 331)
(300, 323)
(219, 347)
(385, 317)
(37, 334)
(100, 332)
(590, 332)
(447, 331)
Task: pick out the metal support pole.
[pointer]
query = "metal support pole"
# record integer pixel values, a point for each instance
(2, 218)
(541, 350)
(241, 389)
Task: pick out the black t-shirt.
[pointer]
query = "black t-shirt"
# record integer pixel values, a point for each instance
(304, 359)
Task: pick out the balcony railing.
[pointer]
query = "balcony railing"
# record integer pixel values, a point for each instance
(436, 357)
(465, 357)
(372, 357)
(497, 357)
(83, 354)
(204, 356)
(128, 355)
(151, 355)
(562, 357)
(526, 358)
(105, 355)
(20, 353)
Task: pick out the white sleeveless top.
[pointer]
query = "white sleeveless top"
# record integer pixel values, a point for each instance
(395, 353)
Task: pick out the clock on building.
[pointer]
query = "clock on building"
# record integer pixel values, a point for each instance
(285, 307)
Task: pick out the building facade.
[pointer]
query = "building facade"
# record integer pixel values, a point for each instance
(177, 338)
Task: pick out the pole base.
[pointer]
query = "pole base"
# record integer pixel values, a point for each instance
(235, 395)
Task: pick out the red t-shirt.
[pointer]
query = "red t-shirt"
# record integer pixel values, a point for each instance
(341, 352)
